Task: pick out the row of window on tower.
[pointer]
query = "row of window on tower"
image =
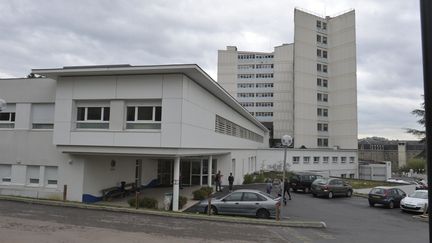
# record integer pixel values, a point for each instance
(262, 113)
(248, 95)
(256, 104)
(255, 85)
(321, 25)
(255, 66)
(258, 75)
(255, 56)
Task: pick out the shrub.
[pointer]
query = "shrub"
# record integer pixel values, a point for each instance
(202, 193)
(248, 179)
(182, 201)
(259, 178)
(144, 202)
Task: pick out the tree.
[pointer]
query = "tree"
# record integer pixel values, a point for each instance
(422, 121)
(32, 75)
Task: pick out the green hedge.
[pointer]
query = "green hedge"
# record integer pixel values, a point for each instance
(144, 202)
(248, 179)
(202, 193)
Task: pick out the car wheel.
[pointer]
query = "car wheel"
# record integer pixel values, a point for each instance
(371, 204)
(213, 210)
(330, 195)
(391, 204)
(263, 214)
(349, 193)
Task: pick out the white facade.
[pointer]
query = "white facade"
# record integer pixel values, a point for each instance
(88, 127)
(306, 89)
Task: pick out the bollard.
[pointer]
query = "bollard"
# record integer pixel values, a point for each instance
(136, 199)
(64, 193)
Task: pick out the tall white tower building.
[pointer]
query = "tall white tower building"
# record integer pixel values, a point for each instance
(306, 89)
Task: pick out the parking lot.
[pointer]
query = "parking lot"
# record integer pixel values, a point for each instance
(352, 220)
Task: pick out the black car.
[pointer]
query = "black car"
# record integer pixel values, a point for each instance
(302, 181)
(387, 196)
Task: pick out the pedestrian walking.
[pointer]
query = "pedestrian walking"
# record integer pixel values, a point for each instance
(286, 191)
(230, 182)
(218, 181)
(269, 186)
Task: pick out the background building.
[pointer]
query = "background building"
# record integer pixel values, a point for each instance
(306, 89)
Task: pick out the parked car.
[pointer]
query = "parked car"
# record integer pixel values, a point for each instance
(244, 202)
(331, 187)
(415, 202)
(302, 181)
(421, 185)
(388, 196)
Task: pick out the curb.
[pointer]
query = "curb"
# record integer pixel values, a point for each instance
(102, 207)
(360, 195)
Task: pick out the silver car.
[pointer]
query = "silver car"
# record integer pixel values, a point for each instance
(244, 202)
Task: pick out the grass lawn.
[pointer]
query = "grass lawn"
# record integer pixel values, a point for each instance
(359, 184)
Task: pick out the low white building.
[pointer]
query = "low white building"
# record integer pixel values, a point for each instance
(91, 127)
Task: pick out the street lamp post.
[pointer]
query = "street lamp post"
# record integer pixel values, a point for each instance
(286, 141)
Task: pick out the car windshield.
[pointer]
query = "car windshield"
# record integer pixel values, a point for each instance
(379, 191)
(419, 194)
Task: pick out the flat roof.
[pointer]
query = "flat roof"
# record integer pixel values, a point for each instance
(193, 71)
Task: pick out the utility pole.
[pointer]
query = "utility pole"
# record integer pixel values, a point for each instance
(426, 30)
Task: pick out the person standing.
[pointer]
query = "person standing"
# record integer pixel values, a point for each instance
(269, 186)
(230, 182)
(218, 181)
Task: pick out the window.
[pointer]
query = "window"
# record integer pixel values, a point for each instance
(93, 117)
(325, 159)
(324, 54)
(322, 142)
(306, 159)
(264, 75)
(322, 97)
(51, 176)
(322, 127)
(143, 117)
(296, 159)
(352, 159)
(264, 113)
(334, 159)
(262, 66)
(343, 160)
(264, 85)
(5, 173)
(322, 112)
(319, 67)
(316, 160)
(245, 85)
(318, 24)
(264, 104)
(252, 197)
(227, 127)
(343, 175)
(245, 76)
(7, 117)
(33, 174)
(245, 95)
(324, 40)
(319, 53)
(319, 82)
(43, 116)
(267, 94)
(236, 196)
(351, 176)
(247, 104)
(245, 67)
(318, 38)
(324, 83)
(324, 68)
(324, 25)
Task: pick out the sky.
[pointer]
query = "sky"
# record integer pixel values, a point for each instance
(57, 33)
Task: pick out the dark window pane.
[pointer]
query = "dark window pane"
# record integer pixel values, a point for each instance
(158, 113)
(12, 116)
(94, 113)
(80, 114)
(145, 113)
(130, 114)
(106, 113)
(4, 116)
